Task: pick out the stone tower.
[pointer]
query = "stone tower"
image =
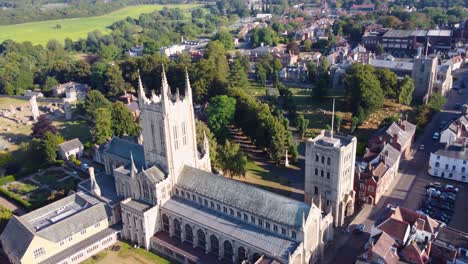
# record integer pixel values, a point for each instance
(329, 174)
(424, 76)
(168, 128)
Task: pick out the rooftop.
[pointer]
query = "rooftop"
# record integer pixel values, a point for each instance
(272, 244)
(70, 145)
(454, 237)
(122, 149)
(257, 201)
(396, 65)
(107, 185)
(138, 205)
(439, 33)
(325, 139)
(398, 33)
(453, 151)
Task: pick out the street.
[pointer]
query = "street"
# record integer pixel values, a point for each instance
(408, 188)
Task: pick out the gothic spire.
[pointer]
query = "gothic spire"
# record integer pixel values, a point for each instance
(206, 143)
(188, 88)
(165, 90)
(94, 185)
(141, 90)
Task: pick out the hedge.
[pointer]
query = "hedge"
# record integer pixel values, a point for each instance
(15, 198)
(6, 179)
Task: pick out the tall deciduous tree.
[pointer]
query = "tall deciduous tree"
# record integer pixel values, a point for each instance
(123, 122)
(232, 160)
(302, 124)
(237, 75)
(42, 126)
(115, 83)
(406, 91)
(225, 38)
(95, 100)
(220, 112)
(49, 146)
(102, 129)
(388, 82)
(364, 90)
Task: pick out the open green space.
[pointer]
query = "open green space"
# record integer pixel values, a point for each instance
(74, 129)
(75, 28)
(21, 188)
(50, 177)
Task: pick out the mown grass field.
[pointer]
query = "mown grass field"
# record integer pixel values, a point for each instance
(75, 28)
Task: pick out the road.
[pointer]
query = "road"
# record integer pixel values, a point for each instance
(408, 188)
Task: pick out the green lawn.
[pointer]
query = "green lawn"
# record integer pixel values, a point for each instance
(75, 129)
(75, 28)
(50, 177)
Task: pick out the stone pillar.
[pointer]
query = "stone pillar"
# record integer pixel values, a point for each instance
(208, 242)
(182, 230)
(171, 227)
(195, 236)
(221, 249)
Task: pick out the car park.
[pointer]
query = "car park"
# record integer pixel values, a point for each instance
(435, 185)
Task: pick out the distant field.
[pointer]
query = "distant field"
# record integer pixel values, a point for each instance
(75, 28)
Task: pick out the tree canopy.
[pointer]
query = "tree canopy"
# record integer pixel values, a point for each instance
(220, 112)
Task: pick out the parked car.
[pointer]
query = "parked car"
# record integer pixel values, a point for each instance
(436, 136)
(435, 185)
(433, 192)
(457, 106)
(421, 147)
(451, 188)
(84, 166)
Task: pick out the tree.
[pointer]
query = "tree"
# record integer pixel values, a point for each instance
(95, 100)
(436, 102)
(123, 122)
(102, 129)
(354, 123)
(42, 126)
(225, 38)
(379, 50)
(302, 124)
(388, 82)
(115, 83)
(293, 48)
(216, 55)
(338, 121)
(109, 52)
(202, 128)
(232, 160)
(307, 45)
(364, 90)
(49, 145)
(48, 84)
(406, 91)
(220, 112)
(238, 76)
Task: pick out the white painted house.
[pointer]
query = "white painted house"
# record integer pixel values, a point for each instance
(69, 148)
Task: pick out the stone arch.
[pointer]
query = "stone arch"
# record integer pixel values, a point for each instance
(188, 233)
(165, 221)
(228, 251)
(241, 254)
(214, 245)
(177, 229)
(348, 210)
(201, 239)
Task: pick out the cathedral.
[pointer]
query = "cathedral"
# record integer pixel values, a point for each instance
(162, 196)
(168, 200)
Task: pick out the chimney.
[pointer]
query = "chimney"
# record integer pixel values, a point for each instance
(94, 185)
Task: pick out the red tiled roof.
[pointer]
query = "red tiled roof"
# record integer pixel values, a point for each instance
(383, 247)
(413, 254)
(395, 228)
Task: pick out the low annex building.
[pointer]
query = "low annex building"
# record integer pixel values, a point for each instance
(67, 231)
(69, 148)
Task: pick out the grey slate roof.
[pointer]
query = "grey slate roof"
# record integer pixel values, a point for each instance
(70, 145)
(85, 211)
(453, 151)
(154, 174)
(270, 243)
(80, 245)
(17, 236)
(107, 185)
(397, 65)
(403, 135)
(245, 197)
(400, 33)
(122, 148)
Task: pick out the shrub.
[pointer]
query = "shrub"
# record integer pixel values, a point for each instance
(6, 179)
(15, 197)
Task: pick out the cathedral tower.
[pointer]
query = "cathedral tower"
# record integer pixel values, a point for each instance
(168, 128)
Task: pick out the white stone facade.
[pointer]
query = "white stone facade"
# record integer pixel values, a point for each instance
(448, 166)
(329, 174)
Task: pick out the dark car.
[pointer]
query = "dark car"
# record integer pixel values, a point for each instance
(359, 228)
(457, 106)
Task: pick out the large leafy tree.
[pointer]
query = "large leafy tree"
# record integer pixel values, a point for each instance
(95, 100)
(102, 129)
(302, 124)
(364, 90)
(220, 112)
(115, 83)
(388, 82)
(123, 122)
(225, 38)
(49, 146)
(406, 91)
(232, 160)
(237, 75)
(42, 126)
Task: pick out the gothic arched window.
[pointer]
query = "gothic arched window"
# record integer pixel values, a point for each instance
(188, 233)
(165, 223)
(146, 193)
(214, 245)
(177, 229)
(201, 238)
(228, 252)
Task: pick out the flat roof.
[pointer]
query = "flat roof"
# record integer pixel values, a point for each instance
(397, 33)
(325, 139)
(439, 33)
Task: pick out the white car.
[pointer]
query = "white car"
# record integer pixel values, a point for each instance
(436, 136)
(421, 147)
